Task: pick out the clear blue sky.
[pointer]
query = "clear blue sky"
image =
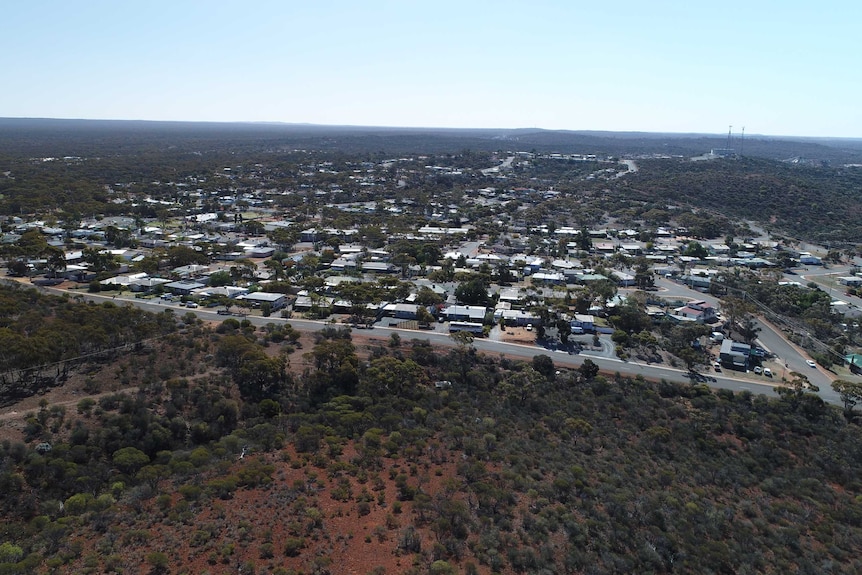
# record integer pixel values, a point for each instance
(776, 67)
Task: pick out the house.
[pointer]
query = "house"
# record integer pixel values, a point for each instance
(190, 270)
(515, 317)
(260, 252)
(854, 362)
(275, 300)
(306, 302)
(468, 313)
(147, 284)
(310, 235)
(807, 259)
(697, 281)
(586, 277)
(584, 322)
(183, 287)
(549, 278)
(377, 267)
(401, 310)
(734, 354)
(512, 295)
(343, 264)
(224, 291)
(123, 280)
(699, 311)
(852, 281)
(623, 279)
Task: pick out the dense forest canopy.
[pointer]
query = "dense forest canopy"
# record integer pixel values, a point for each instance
(820, 204)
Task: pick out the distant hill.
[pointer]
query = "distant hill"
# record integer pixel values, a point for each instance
(38, 136)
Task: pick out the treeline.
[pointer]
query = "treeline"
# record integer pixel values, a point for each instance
(42, 336)
(819, 204)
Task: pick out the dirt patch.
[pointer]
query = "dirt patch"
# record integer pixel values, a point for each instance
(518, 335)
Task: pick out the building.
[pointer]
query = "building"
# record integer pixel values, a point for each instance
(183, 287)
(734, 354)
(377, 267)
(807, 259)
(854, 362)
(623, 279)
(276, 300)
(699, 311)
(401, 310)
(466, 313)
(584, 322)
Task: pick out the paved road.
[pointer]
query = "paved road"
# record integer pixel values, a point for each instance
(631, 165)
(527, 352)
(789, 356)
(768, 337)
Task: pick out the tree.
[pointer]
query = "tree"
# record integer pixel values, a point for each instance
(588, 370)
(99, 261)
(748, 329)
(32, 243)
(473, 292)
(426, 296)
(220, 278)
(179, 256)
(130, 459)
(158, 562)
(56, 259)
(644, 277)
(564, 329)
(390, 376)
(18, 268)
(544, 365)
(423, 316)
(696, 250)
(275, 267)
(850, 393)
(118, 237)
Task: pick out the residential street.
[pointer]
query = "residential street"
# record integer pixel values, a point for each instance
(527, 352)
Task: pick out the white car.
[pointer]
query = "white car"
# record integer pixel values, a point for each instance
(810, 363)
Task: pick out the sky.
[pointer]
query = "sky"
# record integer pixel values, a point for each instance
(773, 67)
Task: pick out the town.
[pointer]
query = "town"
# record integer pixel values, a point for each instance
(410, 243)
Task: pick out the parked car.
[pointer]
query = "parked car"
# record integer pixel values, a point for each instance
(192, 304)
(223, 312)
(767, 372)
(758, 370)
